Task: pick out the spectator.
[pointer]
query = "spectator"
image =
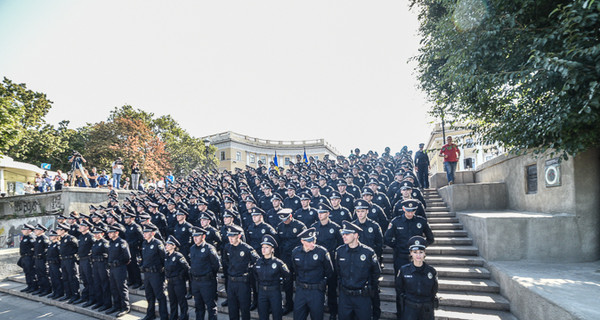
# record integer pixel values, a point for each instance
(127, 183)
(58, 180)
(169, 179)
(117, 171)
(135, 175)
(160, 183)
(38, 182)
(102, 179)
(450, 153)
(140, 186)
(77, 161)
(28, 188)
(47, 183)
(93, 177)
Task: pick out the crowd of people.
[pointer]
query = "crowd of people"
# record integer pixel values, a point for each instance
(295, 239)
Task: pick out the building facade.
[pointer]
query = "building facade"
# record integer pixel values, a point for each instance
(472, 154)
(236, 150)
(14, 175)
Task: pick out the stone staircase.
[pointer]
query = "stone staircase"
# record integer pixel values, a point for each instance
(465, 288)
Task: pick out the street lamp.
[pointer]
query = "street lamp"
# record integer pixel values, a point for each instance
(206, 145)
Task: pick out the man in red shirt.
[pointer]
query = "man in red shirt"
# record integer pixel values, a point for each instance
(451, 153)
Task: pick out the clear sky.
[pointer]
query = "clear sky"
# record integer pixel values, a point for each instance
(286, 70)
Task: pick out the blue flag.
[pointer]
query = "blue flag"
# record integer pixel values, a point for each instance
(275, 162)
(305, 158)
(46, 166)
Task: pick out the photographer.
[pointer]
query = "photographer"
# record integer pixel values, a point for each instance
(77, 161)
(117, 171)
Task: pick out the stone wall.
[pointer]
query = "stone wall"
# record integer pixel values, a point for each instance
(10, 229)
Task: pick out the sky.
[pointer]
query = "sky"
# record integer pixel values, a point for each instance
(279, 70)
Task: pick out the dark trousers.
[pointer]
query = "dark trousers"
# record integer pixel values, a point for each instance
(56, 279)
(423, 177)
(238, 297)
(205, 298)
(417, 311)
(309, 301)
(332, 298)
(133, 269)
(154, 287)
(41, 271)
(101, 283)
(176, 288)
(269, 300)
(288, 288)
(70, 277)
(355, 307)
(28, 266)
(87, 278)
(118, 287)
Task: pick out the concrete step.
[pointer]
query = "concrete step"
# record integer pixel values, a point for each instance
(452, 272)
(442, 260)
(449, 233)
(437, 209)
(435, 203)
(459, 299)
(453, 241)
(439, 249)
(433, 220)
(446, 226)
(440, 214)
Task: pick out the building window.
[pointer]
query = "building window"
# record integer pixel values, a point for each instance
(316, 157)
(222, 155)
(251, 158)
(468, 163)
(263, 159)
(531, 176)
(238, 156)
(287, 161)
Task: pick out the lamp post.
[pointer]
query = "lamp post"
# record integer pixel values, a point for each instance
(206, 146)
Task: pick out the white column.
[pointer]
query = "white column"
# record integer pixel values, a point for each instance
(2, 181)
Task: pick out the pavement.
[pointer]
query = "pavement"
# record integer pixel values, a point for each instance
(572, 287)
(12, 307)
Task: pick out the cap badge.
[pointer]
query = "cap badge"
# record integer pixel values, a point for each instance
(363, 257)
(417, 242)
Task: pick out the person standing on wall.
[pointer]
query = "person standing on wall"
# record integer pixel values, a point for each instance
(422, 167)
(135, 175)
(117, 171)
(450, 153)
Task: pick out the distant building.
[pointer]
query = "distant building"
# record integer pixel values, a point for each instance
(236, 150)
(14, 175)
(472, 154)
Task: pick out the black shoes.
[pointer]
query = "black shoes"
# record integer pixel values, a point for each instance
(96, 306)
(65, 298)
(123, 312)
(287, 309)
(78, 301)
(87, 304)
(104, 308)
(224, 303)
(136, 285)
(112, 310)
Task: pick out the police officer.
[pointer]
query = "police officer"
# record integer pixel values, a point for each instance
(26, 250)
(338, 212)
(375, 213)
(41, 269)
(271, 217)
(358, 272)
(258, 229)
(204, 265)
(177, 271)
(228, 220)
(212, 235)
(288, 231)
(269, 272)
(292, 201)
(370, 233)
(100, 278)
(53, 258)
(118, 258)
(158, 219)
(134, 237)
(85, 266)
(238, 259)
(403, 228)
(306, 214)
(68, 258)
(153, 260)
(312, 265)
(416, 285)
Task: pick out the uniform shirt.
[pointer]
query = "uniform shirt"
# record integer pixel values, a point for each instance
(326, 191)
(85, 245)
(306, 216)
(383, 201)
(270, 272)
(417, 284)
(223, 232)
(256, 232)
(68, 246)
(371, 235)
(288, 236)
(399, 211)
(312, 267)
(340, 214)
(354, 191)
(357, 267)
(328, 235)
(401, 229)
(176, 265)
(239, 259)
(315, 201)
(53, 253)
(292, 203)
(204, 260)
(41, 246)
(348, 201)
(377, 214)
(265, 203)
(118, 251)
(74, 230)
(213, 236)
(421, 160)
(183, 233)
(158, 219)
(153, 253)
(100, 249)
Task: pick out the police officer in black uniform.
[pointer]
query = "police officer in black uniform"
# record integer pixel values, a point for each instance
(53, 258)
(288, 231)
(312, 265)
(238, 259)
(118, 258)
(41, 269)
(269, 273)
(100, 278)
(306, 214)
(358, 273)
(204, 265)
(338, 212)
(26, 250)
(416, 285)
(134, 238)
(177, 272)
(68, 259)
(212, 235)
(152, 265)
(85, 265)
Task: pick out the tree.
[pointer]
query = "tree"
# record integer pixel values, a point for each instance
(522, 73)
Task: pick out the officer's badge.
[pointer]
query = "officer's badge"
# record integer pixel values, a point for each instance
(296, 201)
(274, 265)
(363, 257)
(379, 198)
(311, 213)
(182, 229)
(347, 199)
(242, 253)
(24, 240)
(294, 230)
(417, 242)
(429, 275)
(419, 225)
(315, 256)
(343, 213)
(116, 245)
(173, 259)
(202, 250)
(152, 247)
(207, 232)
(331, 231)
(370, 229)
(374, 210)
(262, 231)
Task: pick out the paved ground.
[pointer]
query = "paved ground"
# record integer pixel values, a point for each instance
(12, 307)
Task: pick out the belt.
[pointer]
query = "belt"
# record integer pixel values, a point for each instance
(86, 257)
(99, 259)
(115, 264)
(40, 256)
(242, 278)
(27, 255)
(270, 288)
(310, 286)
(153, 269)
(176, 277)
(68, 257)
(206, 277)
(54, 261)
(357, 292)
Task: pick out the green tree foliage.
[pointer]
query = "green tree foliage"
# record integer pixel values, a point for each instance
(522, 73)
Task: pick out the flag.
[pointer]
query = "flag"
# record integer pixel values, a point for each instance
(275, 162)
(305, 158)
(46, 166)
